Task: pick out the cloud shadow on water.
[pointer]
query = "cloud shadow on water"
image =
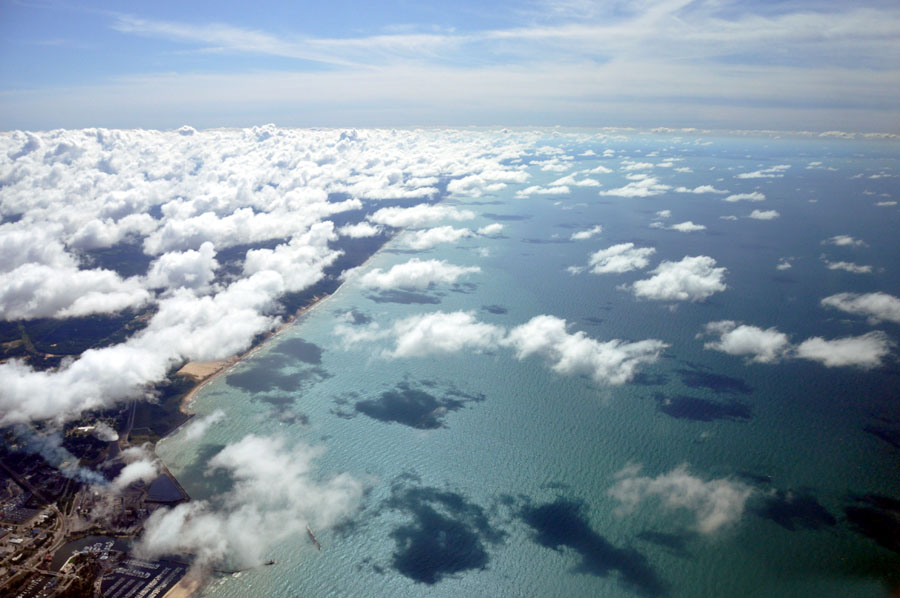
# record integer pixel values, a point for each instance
(794, 510)
(446, 534)
(701, 410)
(412, 406)
(674, 544)
(300, 350)
(405, 297)
(696, 378)
(495, 309)
(563, 524)
(877, 517)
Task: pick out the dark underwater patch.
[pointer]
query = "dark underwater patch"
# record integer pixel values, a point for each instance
(563, 524)
(795, 511)
(447, 534)
(877, 517)
(405, 297)
(414, 407)
(702, 410)
(695, 378)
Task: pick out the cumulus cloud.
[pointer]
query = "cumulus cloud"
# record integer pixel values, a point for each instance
(416, 275)
(141, 465)
(765, 346)
(539, 190)
(360, 230)
(784, 263)
(645, 187)
(700, 189)
(848, 267)
(764, 214)
(583, 235)
(766, 173)
(426, 239)
(865, 351)
(754, 196)
(876, 307)
(662, 214)
(180, 197)
(687, 227)
(694, 278)
(545, 336)
(570, 180)
(275, 496)
(620, 258)
(611, 362)
(843, 241)
(762, 346)
(714, 504)
(491, 230)
(439, 332)
(419, 216)
(191, 269)
(198, 426)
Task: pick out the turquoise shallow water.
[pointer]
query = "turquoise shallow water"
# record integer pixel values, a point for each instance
(509, 495)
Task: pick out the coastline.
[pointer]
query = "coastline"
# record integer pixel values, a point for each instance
(190, 585)
(230, 362)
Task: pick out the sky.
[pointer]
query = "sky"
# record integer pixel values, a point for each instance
(793, 65)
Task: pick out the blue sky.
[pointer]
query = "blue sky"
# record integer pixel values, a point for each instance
(720, 64)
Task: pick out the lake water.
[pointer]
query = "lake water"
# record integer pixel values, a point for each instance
(490, 476)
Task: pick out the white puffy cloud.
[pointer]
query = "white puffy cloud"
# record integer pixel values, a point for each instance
(714, 504)
(181, 197)
(700, 189)
(843, 241)
(197, 427)
(758, 345)
(490, 230)
(570, 180)
(275, 496)
(300, 262)
(439, 332)
(36, 290)
(875, 306)
(765, 173)
(583, 235)
(610, 362)
(885, 204)
(764, 214)
(419, 216)
(360, 230)
(539, 190)
(632, 165)
(623, 257)
(488, 181)
(865, 351)
(645, 187)
(190, 269)
(432, 237)
(416, 274)
(662, 214)
(848, 267)
(687, 227)
(754, 196)
(784, 264)
(141, 465)
(694, 278)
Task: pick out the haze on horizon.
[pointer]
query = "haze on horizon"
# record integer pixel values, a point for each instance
(731, 65)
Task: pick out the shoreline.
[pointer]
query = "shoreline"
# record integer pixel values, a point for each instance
(232, 361)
